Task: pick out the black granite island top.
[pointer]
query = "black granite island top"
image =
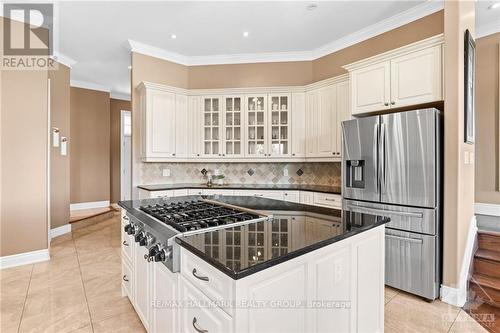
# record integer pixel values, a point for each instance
(294, 230)
(282, 187)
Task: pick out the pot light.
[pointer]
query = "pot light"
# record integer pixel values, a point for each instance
(312, 7)
(494, 5)
(245, 33)
(173, 36)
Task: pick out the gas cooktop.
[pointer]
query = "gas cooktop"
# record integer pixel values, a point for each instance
(191, 216)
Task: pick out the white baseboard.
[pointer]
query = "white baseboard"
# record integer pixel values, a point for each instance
(24, 258)
(458, 296)
(89, 205)
(487, 209)
(64, 229)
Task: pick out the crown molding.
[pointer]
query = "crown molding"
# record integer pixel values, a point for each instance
(487, 29)
(64, 59)
(378, 28)
(120, 96)
(89, 85)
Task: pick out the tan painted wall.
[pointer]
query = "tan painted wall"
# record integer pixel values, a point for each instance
(487, 113)
(458, 176)
(331, 65)
(90, 145)
(59, 165)
(116, 105)
(23, 160)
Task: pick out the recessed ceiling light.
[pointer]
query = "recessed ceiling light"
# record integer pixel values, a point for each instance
(312, 6)
(245, 33)
(173, 36)
(494, 5)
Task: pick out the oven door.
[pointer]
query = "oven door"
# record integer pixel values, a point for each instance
(410, 263)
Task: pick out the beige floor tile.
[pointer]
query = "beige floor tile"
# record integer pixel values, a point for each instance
(12, 287)
(61, 239)
(100, 269)
(54, 280)
(389, 294)
(15, 273)
(86, 329)
(11, 312)
(466, 324)
(56, 266)
(90, 258)
(126, 322)
(62, 249)
(407, 313)
(60, 320)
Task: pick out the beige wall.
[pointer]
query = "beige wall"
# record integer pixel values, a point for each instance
(458, 176)
(487, 159)
(90, 145)
(116, 105)
(331, 65)
(59, 165)
(23, 216)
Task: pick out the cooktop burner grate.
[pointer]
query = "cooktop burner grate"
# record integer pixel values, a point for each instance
(195, 215)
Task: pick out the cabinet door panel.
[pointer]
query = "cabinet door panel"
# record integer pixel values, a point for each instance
(371, 88)
(142, 284)
(312, 98)
(279, 113)
(165, 288)
(212, 124)
(416, 78)
(298, 136)
(257, 141)
(195, 126)
(181, 126)
(343, 113)
(326, 124)
(233, 130)
(160, 124)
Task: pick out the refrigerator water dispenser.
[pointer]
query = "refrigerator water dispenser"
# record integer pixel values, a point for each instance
(355, 173)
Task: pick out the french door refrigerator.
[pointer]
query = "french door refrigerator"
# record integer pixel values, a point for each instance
(392, 166)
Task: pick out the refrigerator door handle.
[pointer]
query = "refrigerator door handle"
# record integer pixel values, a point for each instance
(406, 239)
(375, 145)
(382, 166)
(363, 209)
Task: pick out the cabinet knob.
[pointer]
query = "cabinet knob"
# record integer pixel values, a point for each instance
(223, 154)
(197, 154)
(125, 243)
(386, 104)
(125, 278)
(173, 154)
(393, 103)
(293, 154)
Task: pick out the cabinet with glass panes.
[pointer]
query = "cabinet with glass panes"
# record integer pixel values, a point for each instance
(256, 122)
(233, 110)
(279, 118)
(212, 126)
(280, 241)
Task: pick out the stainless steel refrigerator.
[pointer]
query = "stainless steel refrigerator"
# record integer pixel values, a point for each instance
(391, 166)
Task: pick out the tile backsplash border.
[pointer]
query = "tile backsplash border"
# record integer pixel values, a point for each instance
(314, 173)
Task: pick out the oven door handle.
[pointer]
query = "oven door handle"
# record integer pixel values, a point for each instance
(405, 239)
(363, 209)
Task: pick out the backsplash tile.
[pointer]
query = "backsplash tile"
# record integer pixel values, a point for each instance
(238, 173)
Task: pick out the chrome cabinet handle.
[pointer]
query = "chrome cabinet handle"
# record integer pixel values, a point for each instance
(406, 239)
(125, 243)
(125, 218)
(328, 199)
(386, 103)
(393, 103)
(203, 278)
(125, 278)
(200, 330)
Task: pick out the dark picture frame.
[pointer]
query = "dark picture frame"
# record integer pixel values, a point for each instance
(469, 87)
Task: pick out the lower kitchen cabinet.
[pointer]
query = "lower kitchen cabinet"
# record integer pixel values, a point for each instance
(142, 286)
(164, 295)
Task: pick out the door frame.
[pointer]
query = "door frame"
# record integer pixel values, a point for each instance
(123, 114)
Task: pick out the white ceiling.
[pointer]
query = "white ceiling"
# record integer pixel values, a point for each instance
(96, 34)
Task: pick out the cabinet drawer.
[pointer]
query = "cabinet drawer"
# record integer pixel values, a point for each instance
(218, 192)
(292, 196)
(278, 195)
(306, 198)
(195, 191)
(329, 200)
(215, 285)
(199, 318)
(161, 194)
(180, 193)
(127, 276)
(127, 243)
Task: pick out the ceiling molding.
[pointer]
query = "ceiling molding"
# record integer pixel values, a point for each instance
(120, 96)
(89, 85)
(378, 28)
(487, 29)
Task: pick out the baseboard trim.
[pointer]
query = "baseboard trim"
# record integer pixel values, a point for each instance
(89, 205)
(24, 258)
(458, 296)
(487, 209)
(64, 229)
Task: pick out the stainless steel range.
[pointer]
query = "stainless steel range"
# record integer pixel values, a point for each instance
(170, 218)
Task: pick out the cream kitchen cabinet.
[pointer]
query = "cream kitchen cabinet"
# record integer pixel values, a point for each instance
(279, 128)
(142, 285)
(212, 126)
(233, 127)
(343, 113)
(410, 75)
(195, 126)
(164, 291)
(298, 126)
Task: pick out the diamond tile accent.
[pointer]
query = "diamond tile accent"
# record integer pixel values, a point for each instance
(204, 171)
(300, 172)
(250, 172)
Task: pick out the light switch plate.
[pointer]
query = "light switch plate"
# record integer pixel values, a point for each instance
(166, 172)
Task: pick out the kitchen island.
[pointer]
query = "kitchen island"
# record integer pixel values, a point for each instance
(297, 268)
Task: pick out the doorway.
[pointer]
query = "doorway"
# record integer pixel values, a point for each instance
(125, 155)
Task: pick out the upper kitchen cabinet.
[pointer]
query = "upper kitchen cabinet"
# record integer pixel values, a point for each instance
(163, 123)
(279, 120)
(212, 109)
(343, 113)
(233, 126)
(298, 126)
(195, 127)
(410, 75)
(257, 126)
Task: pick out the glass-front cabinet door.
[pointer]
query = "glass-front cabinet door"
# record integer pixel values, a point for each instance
(233, 128)
(256, 125)
(212, 107)
(279, 119)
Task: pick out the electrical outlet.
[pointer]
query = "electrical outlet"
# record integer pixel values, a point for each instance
(166, 172)
(285, 172)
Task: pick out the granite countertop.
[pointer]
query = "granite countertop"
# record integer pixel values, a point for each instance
(292, 187)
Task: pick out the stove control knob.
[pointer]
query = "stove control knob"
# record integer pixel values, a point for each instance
(127, 228)
(160, 255)
(131, 229)
(153, 251)
(142, 241)
(149, 239)
(139, 236)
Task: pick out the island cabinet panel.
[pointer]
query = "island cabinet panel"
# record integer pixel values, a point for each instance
(142, 285)
(165, 288)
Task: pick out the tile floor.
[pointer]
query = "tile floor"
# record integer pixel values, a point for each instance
(78, 290)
